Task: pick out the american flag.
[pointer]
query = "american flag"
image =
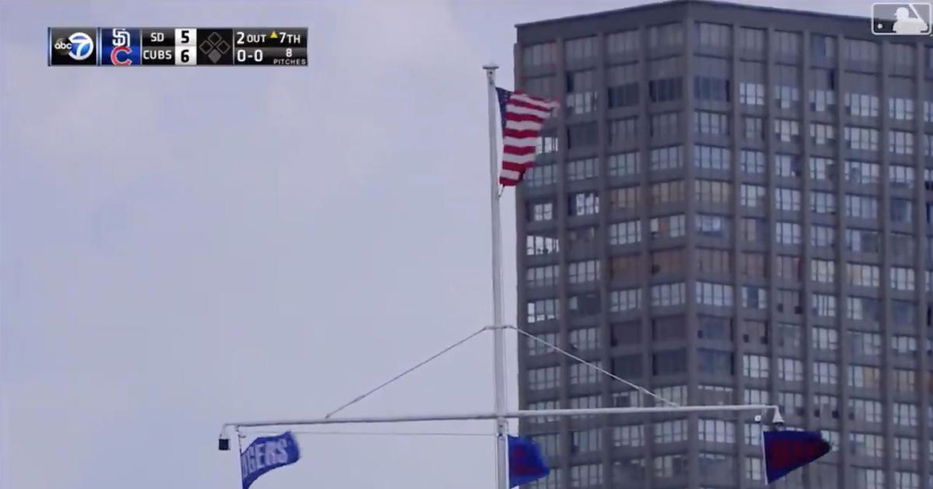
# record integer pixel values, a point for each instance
(522, 118)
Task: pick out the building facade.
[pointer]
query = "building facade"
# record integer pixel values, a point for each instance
(730, 206)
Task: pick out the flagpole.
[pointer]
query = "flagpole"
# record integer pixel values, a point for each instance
(502, 427)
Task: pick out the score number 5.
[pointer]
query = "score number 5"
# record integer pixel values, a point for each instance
(185, 42)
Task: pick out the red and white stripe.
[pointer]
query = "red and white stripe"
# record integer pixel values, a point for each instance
(524, 116)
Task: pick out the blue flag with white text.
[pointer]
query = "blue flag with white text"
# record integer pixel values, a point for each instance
(267, 453)
(525, 462)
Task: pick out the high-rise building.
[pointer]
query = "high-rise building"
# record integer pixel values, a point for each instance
(730, 206)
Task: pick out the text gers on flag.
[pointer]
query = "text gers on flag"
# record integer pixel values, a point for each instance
(525, 462)
(789, 450)
(522, 118)
(267, 453)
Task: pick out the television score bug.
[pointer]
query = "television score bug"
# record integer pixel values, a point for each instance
(179, 46)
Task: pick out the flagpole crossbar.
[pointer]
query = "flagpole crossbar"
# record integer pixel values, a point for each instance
(775, 410)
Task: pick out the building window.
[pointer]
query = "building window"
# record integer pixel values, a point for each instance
(790, 370)
(905, 414)
(752, 40)
(672, 431)
(754, 230)
(543, 378)
(583, 271)
(822, 169)
(861, 138)
(712, 157)
(754, 297)
(824, 305)
(787, 165)
(539, 243)
(582, 135)
(822, 100)
(716, 431)
(713, 35)
(864, 377)
(580, 49)
(581, 92)
(666, 36)
(825, 338)
(712, 226)
(862, 172)
(901, 109)
(826, 373)
(581, 239)
(540, 176)
(786, 199)
(545, 276)
(755, 366)
(787, 44)
(669, 362)
(861, 206)
(713, 261)
(787, 130)
(822, 270)
(624, 300)
(712, 88)
(751, 93)
(862, 308)
(625, 198)
(713, 191)
(623, 82)
(902, 278)
(666, 158)
(754, 128)
(900, 176)
(711, 123)
(667, 226)
(905, 448)
(665, 125)
(583, 305)
(625, 42)
(623, 164)
(583, 204)
(539, 55)
(667, 192)
(752, 161)
(788, 267)
(663, 295)
(623, 233)
(628, 436)
(901, 210)
(752, 265)
(863, 52)
(787, 233)
(789, 302)
(623, 130)
(901, 142)
(822, 236)
(861, 105)
(753, 196)
(822, 203)
(822, 134)
(582, 169)
(714, 294)
(822, 47)
(541, 310)
(541, 211)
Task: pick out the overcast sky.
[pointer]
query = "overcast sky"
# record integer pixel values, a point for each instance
(181, 247)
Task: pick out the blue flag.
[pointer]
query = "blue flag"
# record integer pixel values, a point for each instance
(789, 450)
(267, 453)
(525, 462)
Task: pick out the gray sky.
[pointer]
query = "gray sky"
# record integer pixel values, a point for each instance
(182, 247)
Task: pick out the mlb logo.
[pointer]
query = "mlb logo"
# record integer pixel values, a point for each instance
(901, 19)
(120, 47)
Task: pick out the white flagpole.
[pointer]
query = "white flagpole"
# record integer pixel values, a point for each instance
(502, 426)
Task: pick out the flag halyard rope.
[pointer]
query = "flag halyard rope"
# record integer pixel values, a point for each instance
(406, 372)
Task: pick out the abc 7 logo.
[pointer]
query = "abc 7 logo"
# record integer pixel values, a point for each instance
(79, 46)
